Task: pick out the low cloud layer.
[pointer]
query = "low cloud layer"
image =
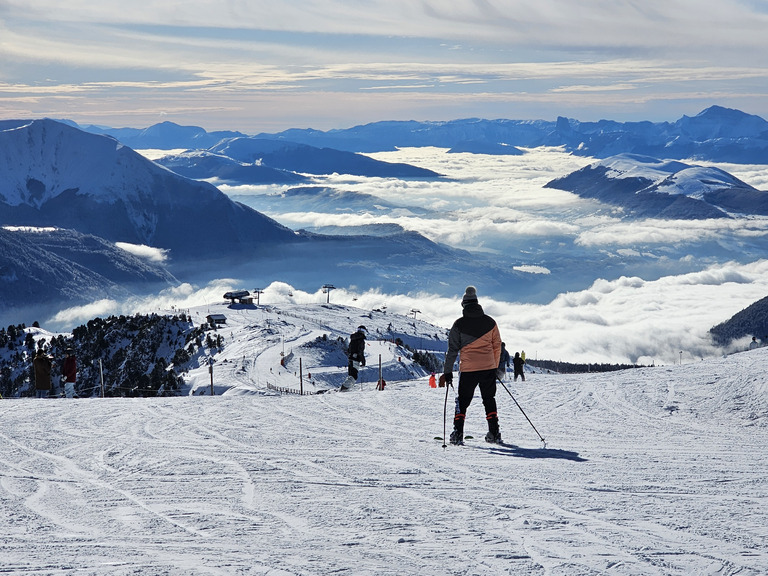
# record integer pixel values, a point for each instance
(628, 320)
(497, 202)
(486, 202)
(500, 205)
(142, 251)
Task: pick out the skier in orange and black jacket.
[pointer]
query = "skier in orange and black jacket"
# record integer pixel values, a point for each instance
(475, 339)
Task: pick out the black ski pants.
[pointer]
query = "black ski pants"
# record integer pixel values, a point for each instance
(468, 382)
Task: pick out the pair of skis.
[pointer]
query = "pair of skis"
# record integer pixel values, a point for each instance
(445, 412)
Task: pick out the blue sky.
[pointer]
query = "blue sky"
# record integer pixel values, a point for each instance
(270, 65)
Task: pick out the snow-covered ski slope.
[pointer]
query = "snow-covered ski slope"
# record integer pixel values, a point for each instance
(660, 471)
(299, 347)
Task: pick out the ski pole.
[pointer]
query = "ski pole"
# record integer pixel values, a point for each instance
(445, 415)
(523, 411)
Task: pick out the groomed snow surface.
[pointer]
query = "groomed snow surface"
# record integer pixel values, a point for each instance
(657, 471)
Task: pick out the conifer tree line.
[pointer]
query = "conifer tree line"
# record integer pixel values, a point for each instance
(139, 355)
(578, 367)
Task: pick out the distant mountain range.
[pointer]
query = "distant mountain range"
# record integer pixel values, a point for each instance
(162, 134)
(650, 188)
(716, 134)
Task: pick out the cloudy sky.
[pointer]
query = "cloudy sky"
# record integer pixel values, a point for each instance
(265, 65)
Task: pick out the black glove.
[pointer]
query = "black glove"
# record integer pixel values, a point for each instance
(448, 378)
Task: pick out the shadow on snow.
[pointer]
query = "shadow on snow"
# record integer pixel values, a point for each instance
(518, 452)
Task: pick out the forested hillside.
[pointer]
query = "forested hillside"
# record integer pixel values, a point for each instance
(752, 321)
(141, 355)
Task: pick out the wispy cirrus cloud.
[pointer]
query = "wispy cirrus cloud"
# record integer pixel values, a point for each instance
(333, 64)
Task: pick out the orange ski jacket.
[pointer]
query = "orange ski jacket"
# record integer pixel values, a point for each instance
(475, 339)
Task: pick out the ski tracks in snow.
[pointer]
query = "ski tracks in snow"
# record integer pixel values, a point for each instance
(681, 481)
(354, 483)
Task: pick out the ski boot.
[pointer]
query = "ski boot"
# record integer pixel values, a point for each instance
(457, 436)
(347, 384)
(493, 437)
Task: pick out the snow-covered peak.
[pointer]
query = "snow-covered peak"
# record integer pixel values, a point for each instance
(638, 166)
(41, 159)
(669, 176)
(651, 187)
(697, 181)
(54, 174)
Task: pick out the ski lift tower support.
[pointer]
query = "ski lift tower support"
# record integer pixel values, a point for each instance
(327, 290)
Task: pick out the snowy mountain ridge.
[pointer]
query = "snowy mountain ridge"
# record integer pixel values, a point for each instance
(204, 164)
(649, 187)
(670, 176)
(698, 182)
(245, 160)
(41, 268)
(95, 185)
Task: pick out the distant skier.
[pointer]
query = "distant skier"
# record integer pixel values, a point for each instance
(518, 362)
(69, 373)
(356, 356)
(754, 344)
(475, 339)
(503, 362)
(42, 365)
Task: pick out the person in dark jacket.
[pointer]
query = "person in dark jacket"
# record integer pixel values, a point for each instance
(503, 362)
(475, 340)
(518, 362)
(69, 373)
(42, 365)
(356, 356)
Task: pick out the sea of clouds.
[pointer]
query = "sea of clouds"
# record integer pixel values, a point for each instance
(498, 205)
